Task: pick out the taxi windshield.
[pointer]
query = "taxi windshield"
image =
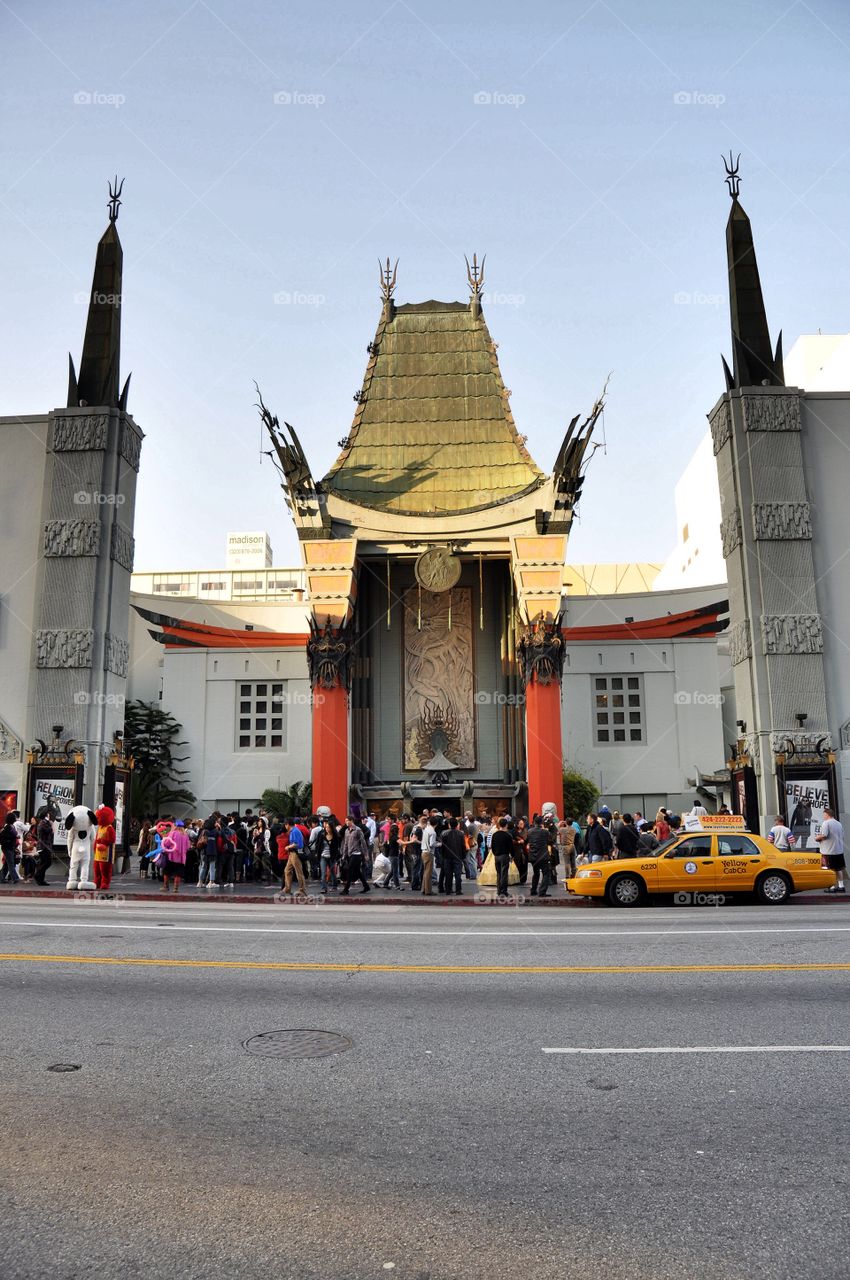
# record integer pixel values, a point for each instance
(668, 844)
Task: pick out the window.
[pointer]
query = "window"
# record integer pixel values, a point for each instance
(693, 848)
(618, 710)
(737, 847)
(256, 729)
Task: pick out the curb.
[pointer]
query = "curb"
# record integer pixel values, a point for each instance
(810, 898)
(372, 899)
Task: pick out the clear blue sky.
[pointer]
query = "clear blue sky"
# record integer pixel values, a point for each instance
(597, 196)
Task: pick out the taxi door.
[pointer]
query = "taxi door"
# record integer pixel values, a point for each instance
(688, 868)
(739, 861)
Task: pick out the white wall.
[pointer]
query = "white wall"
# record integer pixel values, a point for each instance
(199, 688)
(697, 558)
(22, 449)
(683, 707)
(826, 458)
(819, 362)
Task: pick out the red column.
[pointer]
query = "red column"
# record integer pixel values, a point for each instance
(330, 749)
(543, 745)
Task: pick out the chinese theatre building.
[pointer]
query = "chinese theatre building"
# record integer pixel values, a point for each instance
(434, 552)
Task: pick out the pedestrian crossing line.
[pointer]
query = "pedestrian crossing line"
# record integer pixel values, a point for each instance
(315, 966)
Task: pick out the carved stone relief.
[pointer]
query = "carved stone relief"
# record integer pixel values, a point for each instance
(72, 537)
(740, 643)
(794, 633)
(330, 655)
(721, 426)
(131, 445)
(11, 746)
(123, 547)
(79, 432)
(541, 652)
(782, 520)
(116, 655)
(57, 647)
(730, 533)
(771, 413)
(439, 703)
(804, 744)
(752, 746)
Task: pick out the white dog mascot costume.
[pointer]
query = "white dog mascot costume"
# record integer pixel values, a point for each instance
(81, 825)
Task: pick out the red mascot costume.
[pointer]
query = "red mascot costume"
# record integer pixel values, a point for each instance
(104, 847)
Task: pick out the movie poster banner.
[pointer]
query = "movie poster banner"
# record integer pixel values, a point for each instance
(116, 793)
(59, 787)
(805, 801)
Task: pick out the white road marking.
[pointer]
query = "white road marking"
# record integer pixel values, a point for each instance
(106, 922)
(718, 1048)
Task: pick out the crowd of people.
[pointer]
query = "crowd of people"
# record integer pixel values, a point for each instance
(26, 849)
(435, 852)
(432, 853)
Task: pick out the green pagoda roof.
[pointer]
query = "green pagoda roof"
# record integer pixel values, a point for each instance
(433, 433)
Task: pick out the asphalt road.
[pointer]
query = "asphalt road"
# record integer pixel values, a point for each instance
(444, 1142)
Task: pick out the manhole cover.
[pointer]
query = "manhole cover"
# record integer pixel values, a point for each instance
(296, 1044)
(65, 1066)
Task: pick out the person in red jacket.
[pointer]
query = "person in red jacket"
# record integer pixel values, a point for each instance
(104, 847)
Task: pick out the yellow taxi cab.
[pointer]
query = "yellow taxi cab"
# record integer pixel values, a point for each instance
(715, 857)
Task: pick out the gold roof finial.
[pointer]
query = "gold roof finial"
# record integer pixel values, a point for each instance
(388, 278)
(475, 275)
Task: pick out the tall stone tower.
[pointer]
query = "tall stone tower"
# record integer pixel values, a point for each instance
(776, 636)
(80, 649)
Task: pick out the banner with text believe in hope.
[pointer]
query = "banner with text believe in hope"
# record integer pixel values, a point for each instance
(805, 802)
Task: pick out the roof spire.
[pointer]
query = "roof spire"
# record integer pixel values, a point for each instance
(754, 361)
(98, 382)
(475, 276)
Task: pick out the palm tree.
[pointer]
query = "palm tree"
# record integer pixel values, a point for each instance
(151, 738)
(294, 802)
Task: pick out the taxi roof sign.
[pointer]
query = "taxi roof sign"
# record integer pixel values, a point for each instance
(715, 822)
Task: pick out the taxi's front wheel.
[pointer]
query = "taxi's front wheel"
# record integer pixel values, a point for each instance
(773, 888)
(625, 891)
